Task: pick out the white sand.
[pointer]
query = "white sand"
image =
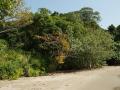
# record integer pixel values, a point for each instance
(107, 78)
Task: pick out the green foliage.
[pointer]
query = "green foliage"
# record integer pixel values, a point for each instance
(112, 29)
(8, 7)
(54, 41)
(115, 32)
(14, 64)
(10, 67)
(55, 45)
(10, 70)
(3, 45)
(96, 47)
(117, 51)
(37, 62)
(30, 71)
(13, 15)
(90, 51)
(42, 22)
(117, 35)
(87, 15)
(115, 60)
(33, 73)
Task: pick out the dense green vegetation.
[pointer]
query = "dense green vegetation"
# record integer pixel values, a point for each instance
(115, 32)
(33, 44)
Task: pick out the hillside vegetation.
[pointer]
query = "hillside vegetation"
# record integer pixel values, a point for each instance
(33, 44)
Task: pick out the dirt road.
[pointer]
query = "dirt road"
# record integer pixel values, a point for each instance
(107, 78)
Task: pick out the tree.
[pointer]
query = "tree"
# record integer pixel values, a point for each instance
(112, 29)
(55, 13)
(44, 11)
(89, 16)
(115, 32)
(12, 13)
(73, 17)
(8, 8)
(90, 50)
(55, 45)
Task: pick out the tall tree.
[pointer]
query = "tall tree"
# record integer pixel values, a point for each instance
(112, 29)
(89, 16)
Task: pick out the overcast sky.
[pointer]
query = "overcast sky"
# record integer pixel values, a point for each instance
(109, 9)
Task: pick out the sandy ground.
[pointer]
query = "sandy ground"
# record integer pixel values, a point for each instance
(107, 78)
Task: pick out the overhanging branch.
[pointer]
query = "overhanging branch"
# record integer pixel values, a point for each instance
(12, 29)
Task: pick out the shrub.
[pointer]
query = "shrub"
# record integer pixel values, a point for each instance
(115, 60)
(10, 70)
(11, 62)
(29, 71)
(37, 62)
(14, 64)
(33, 73)
(90, 51)
(3, 45)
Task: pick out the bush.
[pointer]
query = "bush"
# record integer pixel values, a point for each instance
(16, 63)
(11, 62)
(36, 62)
(115, 60)
(30, 71)
(90, 50)
(3, 45)
(10, 70)
(33, 73)
(71, 64)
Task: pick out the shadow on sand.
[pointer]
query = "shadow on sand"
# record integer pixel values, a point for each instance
(116, 88)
